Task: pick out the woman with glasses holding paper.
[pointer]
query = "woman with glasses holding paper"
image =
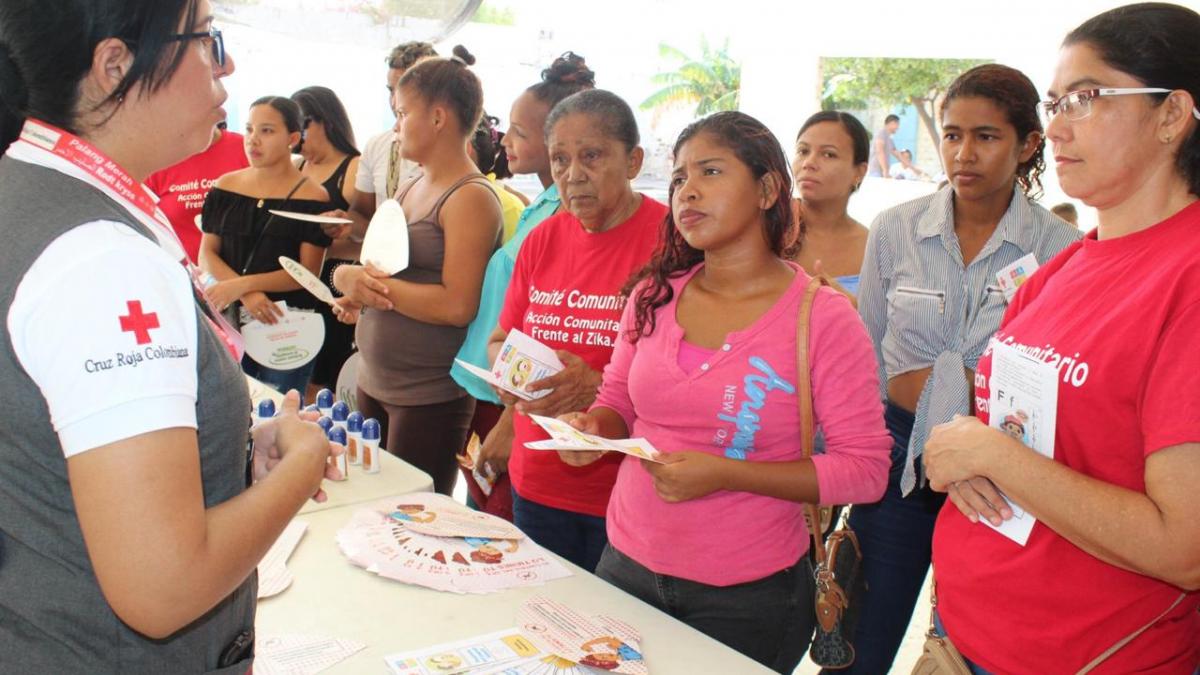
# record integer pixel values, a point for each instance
(932, 293)
(243, 239)
(129, 535)
(567, 293)
(1110, 571)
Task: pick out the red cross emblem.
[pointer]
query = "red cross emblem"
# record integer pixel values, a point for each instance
(138, 323)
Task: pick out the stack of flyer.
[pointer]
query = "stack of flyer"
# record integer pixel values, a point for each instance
(431, 540)
(550, 639)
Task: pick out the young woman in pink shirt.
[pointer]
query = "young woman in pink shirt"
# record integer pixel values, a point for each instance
(705, 369)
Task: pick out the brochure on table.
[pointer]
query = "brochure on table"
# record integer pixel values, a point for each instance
(381, 540)
(522, 361)
(1023, 404)
(565, 437)
(550, 639)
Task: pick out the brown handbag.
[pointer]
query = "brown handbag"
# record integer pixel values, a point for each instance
(838, 559)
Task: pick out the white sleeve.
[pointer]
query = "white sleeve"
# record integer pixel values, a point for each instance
(375, 152)
(104, 322)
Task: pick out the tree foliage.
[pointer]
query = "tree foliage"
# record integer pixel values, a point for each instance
(890, 82)
(710, 83)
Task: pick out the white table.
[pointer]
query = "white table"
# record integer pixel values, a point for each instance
(395, 477)
(332, 598)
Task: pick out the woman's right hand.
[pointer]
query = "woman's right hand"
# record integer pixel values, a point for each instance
(261, 308)
(346, 310)
(362, 285)
(588, 424)
(287, 434)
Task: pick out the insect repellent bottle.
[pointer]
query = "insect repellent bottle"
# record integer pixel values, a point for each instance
(324, 401)
(339, 413)
(370, 446)
(354, 425)
(265, 411)
(325, 423)
(338, 435)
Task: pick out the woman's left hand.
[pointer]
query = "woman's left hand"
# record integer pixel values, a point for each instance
(573, 388)
(224, 293)
(958, 450)
(686, 475)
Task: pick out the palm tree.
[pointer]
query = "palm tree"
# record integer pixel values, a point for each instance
(711, 83)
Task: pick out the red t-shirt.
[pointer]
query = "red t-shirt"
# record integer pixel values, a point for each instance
(1119, 319)
(183, 187)
(565, 293)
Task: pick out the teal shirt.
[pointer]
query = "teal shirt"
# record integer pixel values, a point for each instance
(491, 297)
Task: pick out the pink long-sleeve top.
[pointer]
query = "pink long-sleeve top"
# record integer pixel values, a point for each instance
(740, 402)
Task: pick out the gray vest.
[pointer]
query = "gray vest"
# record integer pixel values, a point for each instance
(53, 618)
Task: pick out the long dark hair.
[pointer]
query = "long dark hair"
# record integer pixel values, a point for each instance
(1159, 44)
(1015, 94)
(322, 106)
(46, 49)
(757, 148)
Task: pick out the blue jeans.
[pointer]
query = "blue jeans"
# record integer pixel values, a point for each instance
(577, 537)
(769, 620)
(281, 381)
(940, 631)
(896, 536)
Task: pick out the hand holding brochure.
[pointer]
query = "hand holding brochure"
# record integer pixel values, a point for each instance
(521, 362)
(1023, 404)
(565, 437)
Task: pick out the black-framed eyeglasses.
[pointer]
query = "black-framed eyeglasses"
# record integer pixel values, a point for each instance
(218, 43)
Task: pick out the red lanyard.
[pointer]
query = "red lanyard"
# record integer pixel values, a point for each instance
(109, 175)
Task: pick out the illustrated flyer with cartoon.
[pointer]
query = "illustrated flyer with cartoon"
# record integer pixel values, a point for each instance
(1023, 404)
(522, 361)
(598, 642)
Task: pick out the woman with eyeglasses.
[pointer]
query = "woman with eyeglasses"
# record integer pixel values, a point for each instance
(1110, 572)
(128, 535)
(243, 237)
(930, 295)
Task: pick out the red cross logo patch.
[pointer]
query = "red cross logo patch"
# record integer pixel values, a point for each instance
(138, 323)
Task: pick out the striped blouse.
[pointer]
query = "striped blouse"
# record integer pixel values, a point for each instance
(923, 308)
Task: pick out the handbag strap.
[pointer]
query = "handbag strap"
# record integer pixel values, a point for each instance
(1129, 638)
(804, 397)
(263, 231)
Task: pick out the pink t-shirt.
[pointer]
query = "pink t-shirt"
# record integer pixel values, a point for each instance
(742, 401)
(1119, 319)
(566, 292)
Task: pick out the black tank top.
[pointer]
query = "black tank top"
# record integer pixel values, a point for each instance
(334, 184)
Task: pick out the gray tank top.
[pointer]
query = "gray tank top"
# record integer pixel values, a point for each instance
(406, 361)
(53, 617)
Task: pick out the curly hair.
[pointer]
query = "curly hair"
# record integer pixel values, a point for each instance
(1015, 94)
(756, 147)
